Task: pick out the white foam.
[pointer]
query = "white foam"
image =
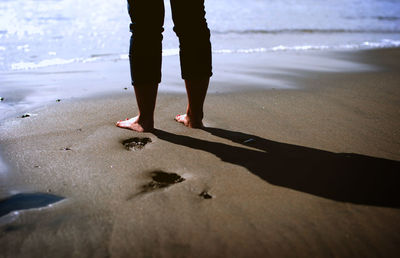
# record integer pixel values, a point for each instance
(124, 57)
(49, 62)
(170, 52)
(165, 52)
(384, 43)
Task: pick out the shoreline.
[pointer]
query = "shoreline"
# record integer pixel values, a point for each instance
(299, 157)
(26, 90)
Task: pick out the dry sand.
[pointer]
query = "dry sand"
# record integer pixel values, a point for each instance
(307, 167)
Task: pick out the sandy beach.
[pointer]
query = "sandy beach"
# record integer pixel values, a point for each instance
(300, 157)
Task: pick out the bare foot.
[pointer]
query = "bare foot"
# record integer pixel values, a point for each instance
(135, 125)
(187, 121)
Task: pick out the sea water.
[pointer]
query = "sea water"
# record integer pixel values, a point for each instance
(42, 33)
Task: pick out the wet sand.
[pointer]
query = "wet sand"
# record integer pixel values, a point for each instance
(300, 157)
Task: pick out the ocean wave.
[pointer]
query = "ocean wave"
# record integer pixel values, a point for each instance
(303, 31)
(165, 52)
(49, 62)
(380, 18)
(384, 43)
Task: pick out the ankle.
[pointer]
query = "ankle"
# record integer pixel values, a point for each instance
(146, 119)
(194, 114)
(194, 120)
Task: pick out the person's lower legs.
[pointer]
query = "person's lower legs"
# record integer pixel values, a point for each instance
(146, 100)
(196, 93)
(195, 55)
(145, 60)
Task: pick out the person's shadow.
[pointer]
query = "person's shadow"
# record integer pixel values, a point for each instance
(338, 176)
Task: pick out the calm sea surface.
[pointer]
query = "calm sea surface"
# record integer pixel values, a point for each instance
(40, 33)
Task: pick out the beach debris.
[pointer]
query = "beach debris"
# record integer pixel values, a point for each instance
(37, 166)
(1, 99)
(205, 195)
(58, 100)
(125, 88)
(24, 201)
(250, 140)
(66, 149)
(136, 143)
(161, 179)
(26, 115)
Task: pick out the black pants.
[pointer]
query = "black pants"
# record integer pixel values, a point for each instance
(147, 17)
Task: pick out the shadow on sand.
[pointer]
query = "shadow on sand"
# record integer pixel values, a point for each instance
(342, 177)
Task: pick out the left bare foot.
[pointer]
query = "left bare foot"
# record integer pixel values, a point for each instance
(187, 121)
(135, 125)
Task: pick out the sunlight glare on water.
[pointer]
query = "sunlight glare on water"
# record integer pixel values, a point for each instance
(36, 34)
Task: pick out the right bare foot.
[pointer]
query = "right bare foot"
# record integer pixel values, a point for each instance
(135, 125)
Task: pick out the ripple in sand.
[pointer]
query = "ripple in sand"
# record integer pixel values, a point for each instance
(24, 201)
(136, 143)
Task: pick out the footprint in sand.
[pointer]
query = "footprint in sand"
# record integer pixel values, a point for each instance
(205, 195)
(161, 179)
(136, 143)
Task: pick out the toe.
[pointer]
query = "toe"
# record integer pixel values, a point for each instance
(180, 118)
